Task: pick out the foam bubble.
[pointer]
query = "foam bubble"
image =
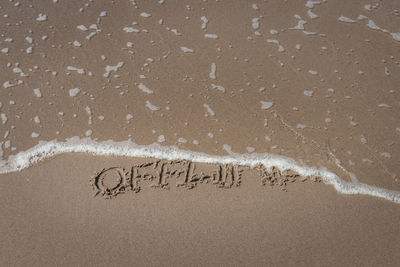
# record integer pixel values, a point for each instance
(115, 68)
(274, 41)
(255, 23)
(151, 106)
(266, 105)
(82, 28)
(37, 92)
(145, 89)
(205, 21)
(74, 92)
(209, 110)
(211, 36)
(130, 29)
(186, 50)
(213, 70)
(161, 139)
(308, 93)
(145, 15)
(41, 17)
(346, 19)
(218, 87)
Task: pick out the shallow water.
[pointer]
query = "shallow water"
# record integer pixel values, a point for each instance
(315, 81)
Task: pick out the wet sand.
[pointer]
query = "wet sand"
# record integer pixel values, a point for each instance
(50, 217)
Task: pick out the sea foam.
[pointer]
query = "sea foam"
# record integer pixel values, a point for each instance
(47, 149)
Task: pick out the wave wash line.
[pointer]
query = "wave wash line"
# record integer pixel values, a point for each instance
(44, 150)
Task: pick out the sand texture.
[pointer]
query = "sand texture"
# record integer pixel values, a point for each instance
(50, 217)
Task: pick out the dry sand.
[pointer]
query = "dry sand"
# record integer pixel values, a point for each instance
(315, 81)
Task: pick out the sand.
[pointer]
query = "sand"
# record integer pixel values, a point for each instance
(50, 217)
(310, 83)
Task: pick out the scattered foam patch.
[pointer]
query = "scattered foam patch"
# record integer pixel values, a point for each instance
(186, 50)
(44, 150)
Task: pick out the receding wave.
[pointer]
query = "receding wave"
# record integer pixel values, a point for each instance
(48, 149)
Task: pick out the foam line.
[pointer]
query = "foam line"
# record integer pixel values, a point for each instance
(47, 149)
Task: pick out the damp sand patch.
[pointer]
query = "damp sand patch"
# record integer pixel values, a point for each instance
(113, 181)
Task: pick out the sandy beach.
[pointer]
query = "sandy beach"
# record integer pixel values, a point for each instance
(200, 133)
(50, 217)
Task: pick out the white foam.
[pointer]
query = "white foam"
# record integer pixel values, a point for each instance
(255, 23)
(128, 117)
(313, 72)
(37, 92)
(213, 70)
(266, 105)
(82, 28)
(112, 68)
(211, 36)
(218, 87)
(76, 43)
(186, 50)
(175, 31)
(161, 139)
(36, 119)
(8, 84)
(300, 23)
(90, 35)
(19, 70)
(80, 71)
(311, 14)
(182, 140)
(308, 92)
(310, 4)
(346, 19)
(371, 24)
(130, 29)
(145, 89)
(151, 106)
(89, 112)
(74, 92)
(145, 15)
(383, 105)
(274, 41)
(49, 149)
(3, 118)
(205, 21)
(41, 17)
(209, 110)
(395, 35)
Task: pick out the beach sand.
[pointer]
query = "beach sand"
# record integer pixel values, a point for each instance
(50, 217)
(294, 106)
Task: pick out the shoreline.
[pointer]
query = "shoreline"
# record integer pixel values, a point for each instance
(127, 148)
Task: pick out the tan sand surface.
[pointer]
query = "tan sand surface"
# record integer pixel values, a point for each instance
(49, 218)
